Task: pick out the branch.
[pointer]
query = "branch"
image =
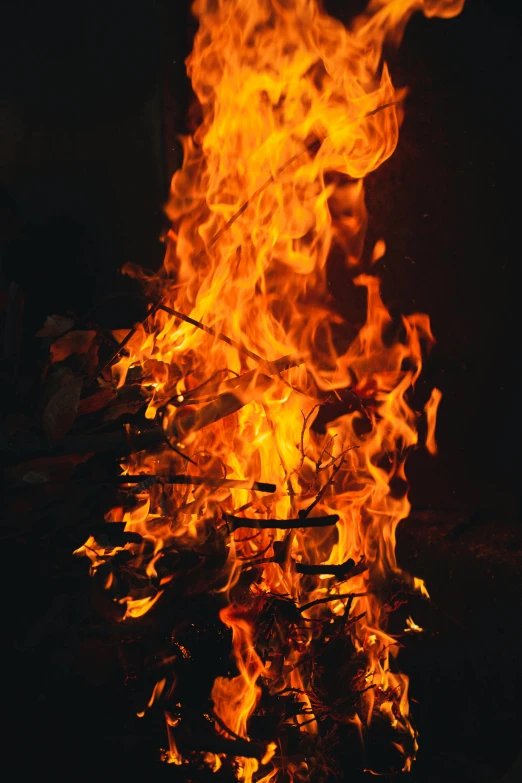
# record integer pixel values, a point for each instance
(305, 511)
(282, 557)
(281, 524)
(306, 419)
(259, 486)
(340, 570)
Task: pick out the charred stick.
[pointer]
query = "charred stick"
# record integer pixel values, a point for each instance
(259, 486)
(281, 557)
(340, 571)
(344, 618)
(281, 524)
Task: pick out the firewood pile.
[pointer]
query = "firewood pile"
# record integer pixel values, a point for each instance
(66, 429)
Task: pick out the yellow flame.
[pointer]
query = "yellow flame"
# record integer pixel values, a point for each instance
(295, 110)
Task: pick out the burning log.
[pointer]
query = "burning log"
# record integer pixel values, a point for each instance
(341, 570)
(255, 282)
(281, 556)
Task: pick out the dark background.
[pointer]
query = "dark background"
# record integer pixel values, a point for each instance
(92, 96)
(92, 99)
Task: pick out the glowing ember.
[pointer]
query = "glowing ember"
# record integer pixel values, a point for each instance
(295, 111)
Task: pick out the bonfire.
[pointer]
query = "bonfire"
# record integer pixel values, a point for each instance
(245, 561)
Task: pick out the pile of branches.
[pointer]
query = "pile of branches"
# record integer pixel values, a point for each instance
(66, 428)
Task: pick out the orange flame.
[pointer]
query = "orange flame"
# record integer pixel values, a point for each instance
(295, 111)
(431, 408)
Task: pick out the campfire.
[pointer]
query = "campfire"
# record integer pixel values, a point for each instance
(244, 560)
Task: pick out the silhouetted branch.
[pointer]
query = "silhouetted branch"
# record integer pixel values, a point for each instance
(304, 512)
(281, 524)
(340, 571)
(198, 481)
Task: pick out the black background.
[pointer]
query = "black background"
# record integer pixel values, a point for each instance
(85, 155)
(84, 159)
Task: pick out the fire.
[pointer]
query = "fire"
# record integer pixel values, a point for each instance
(295, 110)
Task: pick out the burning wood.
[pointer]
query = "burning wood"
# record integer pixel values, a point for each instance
(235, 523)
(296, 110)
(144, 482)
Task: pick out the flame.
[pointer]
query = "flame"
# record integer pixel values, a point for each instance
(431, 408)
(412, 627)
(236, 698)
(295, 110)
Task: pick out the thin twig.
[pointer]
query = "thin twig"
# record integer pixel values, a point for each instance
(334, 459)
(306, 419)
(305, 511)
(319, 464)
